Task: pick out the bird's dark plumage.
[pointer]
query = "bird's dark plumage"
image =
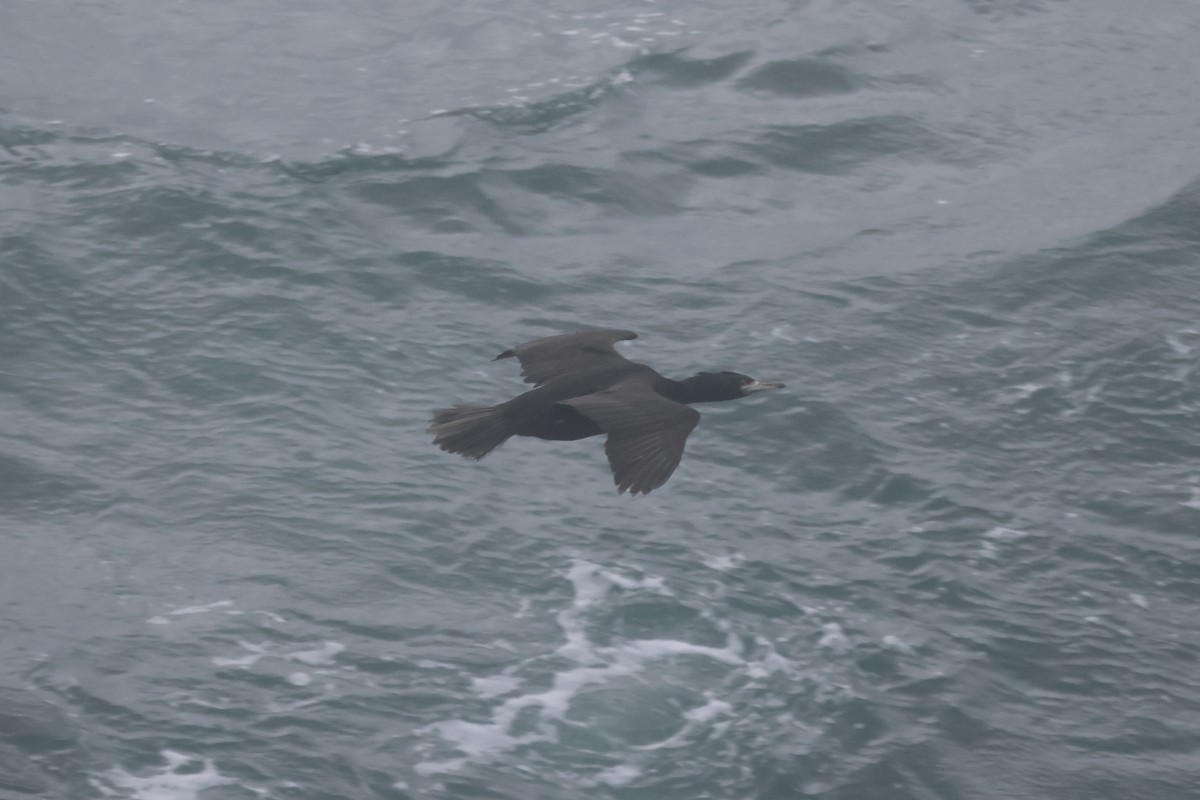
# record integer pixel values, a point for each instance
(550, 356)
(584, 387)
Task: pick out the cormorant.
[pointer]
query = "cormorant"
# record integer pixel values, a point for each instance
(584, 387)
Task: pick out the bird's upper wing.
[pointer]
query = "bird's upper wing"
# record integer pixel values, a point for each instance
(550, 356)
(646, 432)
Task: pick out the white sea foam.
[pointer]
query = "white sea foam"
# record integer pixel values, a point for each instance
(620, 775)
(896, 643)
(1194, 500)
(162, 619)
(591, 585)
(495, 685)
(770, 661)
(322, 655)
(1180, 347)
(178, 780)
(258, 651)
(647, 649)
(427, 768)
(988, 548)
(700, 717)
(527, 714)
(1026, 390)
(780, 332)
(723, 563)
(834, 637)
(315, 657)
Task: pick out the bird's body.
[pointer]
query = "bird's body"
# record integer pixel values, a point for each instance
(584, 387)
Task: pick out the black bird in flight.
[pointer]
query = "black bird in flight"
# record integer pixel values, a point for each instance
(584, 387)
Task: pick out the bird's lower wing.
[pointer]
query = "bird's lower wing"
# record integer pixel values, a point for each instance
(646, 433)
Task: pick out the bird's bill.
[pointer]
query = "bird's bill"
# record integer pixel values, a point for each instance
(759, 386)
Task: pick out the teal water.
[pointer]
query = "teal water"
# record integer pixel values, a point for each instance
(244, 253)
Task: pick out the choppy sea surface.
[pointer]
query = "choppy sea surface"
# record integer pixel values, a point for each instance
(246, 249)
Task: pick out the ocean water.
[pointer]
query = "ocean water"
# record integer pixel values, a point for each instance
(246, 249)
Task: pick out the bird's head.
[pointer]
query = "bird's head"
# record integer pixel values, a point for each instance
(707, 387)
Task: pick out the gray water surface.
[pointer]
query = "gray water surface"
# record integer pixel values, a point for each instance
(245, 252)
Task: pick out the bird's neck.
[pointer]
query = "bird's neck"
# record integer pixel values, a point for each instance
(688, 390)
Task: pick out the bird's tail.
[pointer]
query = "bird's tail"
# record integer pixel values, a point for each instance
(472, 431)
